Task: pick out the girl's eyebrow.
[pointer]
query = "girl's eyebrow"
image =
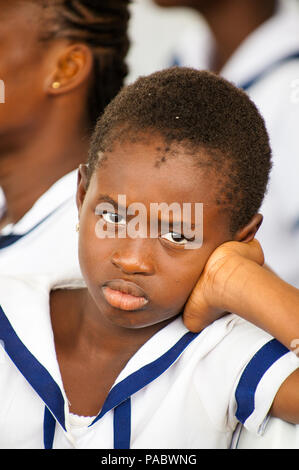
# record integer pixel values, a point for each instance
(107, 198)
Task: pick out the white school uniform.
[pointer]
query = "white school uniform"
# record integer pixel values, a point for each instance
(266, 65)
(179, 390)
(45, 239)
(279, 435)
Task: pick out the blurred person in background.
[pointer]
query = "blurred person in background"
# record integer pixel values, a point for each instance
(255, 45)
(61, 62)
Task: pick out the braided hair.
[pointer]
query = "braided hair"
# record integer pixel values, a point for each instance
(102, 25)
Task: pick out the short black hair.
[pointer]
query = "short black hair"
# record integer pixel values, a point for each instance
(210, 117)
(102, 25)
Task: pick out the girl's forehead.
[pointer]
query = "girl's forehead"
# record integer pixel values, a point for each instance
(155, 169)
(149, 176)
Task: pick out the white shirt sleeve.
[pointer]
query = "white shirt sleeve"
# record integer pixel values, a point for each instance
(279, 435)
(259, 383)
(239, 377)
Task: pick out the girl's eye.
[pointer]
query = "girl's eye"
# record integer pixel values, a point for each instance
(113, 218)
(176, 238)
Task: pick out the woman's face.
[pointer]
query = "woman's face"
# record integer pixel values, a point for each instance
(141, 281)
(26, 64)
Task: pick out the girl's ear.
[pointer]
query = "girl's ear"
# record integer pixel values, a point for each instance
(81, 185)
(247, 233)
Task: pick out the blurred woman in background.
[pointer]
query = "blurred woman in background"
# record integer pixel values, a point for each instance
(62, 61)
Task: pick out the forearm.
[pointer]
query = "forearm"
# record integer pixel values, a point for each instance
(262, 298)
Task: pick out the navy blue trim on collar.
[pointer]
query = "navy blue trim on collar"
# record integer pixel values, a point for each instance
(142, 377)
(253, 372)
(271, 68)
(7, 240)
(122, 425)
(49, 429)
(33, 371)
(119, 396)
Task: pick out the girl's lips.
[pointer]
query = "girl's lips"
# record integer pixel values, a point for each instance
(124, 295)
(123, 301)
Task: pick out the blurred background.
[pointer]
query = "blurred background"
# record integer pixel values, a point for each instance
(154, 34)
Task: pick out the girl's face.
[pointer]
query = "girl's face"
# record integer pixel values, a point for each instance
(142, 281)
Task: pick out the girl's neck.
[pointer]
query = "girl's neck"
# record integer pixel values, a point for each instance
(77, 323)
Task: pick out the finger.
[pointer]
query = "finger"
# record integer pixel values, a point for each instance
(256, 252)
(194, 315)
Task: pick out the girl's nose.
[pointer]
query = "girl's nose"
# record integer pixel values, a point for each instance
(134, 257)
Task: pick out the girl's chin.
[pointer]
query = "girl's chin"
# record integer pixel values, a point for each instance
(143, 317)
(136, 320)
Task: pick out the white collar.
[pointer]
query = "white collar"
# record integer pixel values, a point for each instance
(59, 193)
(26, 306)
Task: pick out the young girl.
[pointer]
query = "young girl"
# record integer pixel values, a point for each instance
(110, 363)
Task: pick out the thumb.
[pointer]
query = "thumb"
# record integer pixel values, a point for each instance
(255, 252)
(196, 312)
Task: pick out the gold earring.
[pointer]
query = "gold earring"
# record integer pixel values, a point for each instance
(77, 227)
(56, 85)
